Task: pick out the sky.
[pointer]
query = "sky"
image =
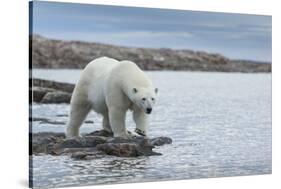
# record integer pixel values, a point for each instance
(237, 36)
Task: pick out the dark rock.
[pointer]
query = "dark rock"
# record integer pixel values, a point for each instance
(126, 149)
(85, 142)
(53, 85)
(42, 135)
(137, 139)
(94, 145)
(56, 97)
(45, 120)
(79, 155)
(120, 149)
(118, 140)
(88, 155)
(70, 151)
(100, 133)
(62, 115)
(39, 92)
(160, 141)
(88, 121)
(41, 119)
(53, 122)
(44, 91)
(40, 142)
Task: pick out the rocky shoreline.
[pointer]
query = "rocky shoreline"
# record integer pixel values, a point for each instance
(97, 144)
(50, 92)
(51, 53)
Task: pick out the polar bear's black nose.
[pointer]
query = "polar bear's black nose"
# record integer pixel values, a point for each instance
(148, 110)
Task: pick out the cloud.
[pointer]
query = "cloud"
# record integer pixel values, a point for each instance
(107, 36)
(149, 34)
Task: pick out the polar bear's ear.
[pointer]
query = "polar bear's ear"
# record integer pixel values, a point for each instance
(135, 90)
(156, 90)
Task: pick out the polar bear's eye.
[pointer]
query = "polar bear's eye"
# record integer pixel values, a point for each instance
(143, 99)
(152, 99)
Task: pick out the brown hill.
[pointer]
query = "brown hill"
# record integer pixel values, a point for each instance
(50, 53)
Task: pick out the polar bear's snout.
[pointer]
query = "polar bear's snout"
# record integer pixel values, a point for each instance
(144, 98)
(148, 110)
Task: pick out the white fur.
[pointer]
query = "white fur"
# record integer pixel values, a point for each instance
(110, 88)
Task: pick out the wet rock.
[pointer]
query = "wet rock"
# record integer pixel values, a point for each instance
(100, 133)
(48, 121)
(85, 142)
(94, 145)
(42, 120)
(88, 121)
(62, 115)
(159, 141)
(43, 135)
(94, 154)
(52, 85)
(127, 147)
(118, 140)
(39, 92)
(56, 97)
(79, 155)
(45, 91)
(42, 141)
(120, 149)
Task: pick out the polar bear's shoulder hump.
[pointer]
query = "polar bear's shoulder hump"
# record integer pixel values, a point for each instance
(105, 59)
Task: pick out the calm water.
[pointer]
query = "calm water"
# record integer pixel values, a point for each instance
(220, 124)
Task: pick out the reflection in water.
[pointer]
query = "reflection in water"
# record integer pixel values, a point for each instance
(220, 125)
(105, 170)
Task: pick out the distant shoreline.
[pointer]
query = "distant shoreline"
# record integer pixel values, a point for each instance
(59, 54)
(218, 72)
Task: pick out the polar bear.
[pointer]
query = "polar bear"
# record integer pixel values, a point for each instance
(111, 88)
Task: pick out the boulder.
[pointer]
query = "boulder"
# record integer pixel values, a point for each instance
(160, 141)
(38, 93)
(56, 97)
(91, 154)
(54, 85)
(45, 91)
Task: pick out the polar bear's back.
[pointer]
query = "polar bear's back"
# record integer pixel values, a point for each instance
(100, 66)
(131, 74)
(91, 83)
(125, 70)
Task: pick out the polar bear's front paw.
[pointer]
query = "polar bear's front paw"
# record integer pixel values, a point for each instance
(140, 132)
(131, 135)
(126, 135)
(75, 137)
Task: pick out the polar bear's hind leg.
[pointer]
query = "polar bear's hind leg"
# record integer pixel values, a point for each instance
(105, 123)
(77, 115)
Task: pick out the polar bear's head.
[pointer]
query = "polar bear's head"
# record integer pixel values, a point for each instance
(144, 98)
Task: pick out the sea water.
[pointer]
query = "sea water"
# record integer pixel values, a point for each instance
(220, 124)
